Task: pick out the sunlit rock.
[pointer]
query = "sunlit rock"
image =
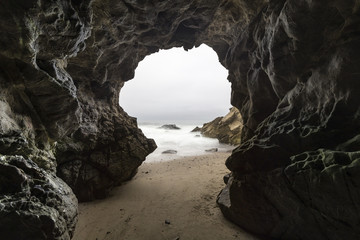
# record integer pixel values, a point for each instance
(226, 129)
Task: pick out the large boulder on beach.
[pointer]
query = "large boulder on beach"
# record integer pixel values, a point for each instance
(294, 72)
(226, 129)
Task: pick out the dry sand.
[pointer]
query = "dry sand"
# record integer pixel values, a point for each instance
(165, 201)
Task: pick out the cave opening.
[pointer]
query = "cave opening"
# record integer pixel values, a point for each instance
(294, 69)
(178, 85)
(181, 88)
(173, 199)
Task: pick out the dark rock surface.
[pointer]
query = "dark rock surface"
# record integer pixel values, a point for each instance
(93, 162)
(65, 122)
(170, 151)
(34, 204)
(170, 127)
(294, 70)
(226, 129)
(196, 129)
(211, 150)
(294, 172)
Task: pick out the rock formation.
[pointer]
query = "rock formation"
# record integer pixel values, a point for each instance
(35, 204)
(295, 170)
(226, 129)
(196, 129)
(293, 66)
(170, 127)
(170, 151)
(211, 150)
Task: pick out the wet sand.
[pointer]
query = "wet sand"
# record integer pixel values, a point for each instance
(165, 201)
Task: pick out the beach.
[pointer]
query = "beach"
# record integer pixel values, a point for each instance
(166, 200)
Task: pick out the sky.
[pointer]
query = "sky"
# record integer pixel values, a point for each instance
(174, 86)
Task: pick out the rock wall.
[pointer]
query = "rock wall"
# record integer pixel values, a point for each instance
(35, 204)
(226, 129)
(293, 66)
(297, 169)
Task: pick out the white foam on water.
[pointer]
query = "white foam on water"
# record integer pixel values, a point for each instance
(185, 142)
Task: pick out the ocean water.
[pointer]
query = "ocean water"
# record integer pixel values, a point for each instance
(185, 142)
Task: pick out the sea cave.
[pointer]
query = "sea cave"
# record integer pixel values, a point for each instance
(293, 67)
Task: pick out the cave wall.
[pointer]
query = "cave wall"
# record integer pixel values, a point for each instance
(293, 66)
(297, 169)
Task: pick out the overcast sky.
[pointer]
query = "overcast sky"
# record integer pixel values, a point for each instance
(175, 86)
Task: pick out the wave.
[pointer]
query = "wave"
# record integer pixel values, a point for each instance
(185, 142)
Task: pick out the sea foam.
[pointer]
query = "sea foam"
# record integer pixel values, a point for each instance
(185, 142)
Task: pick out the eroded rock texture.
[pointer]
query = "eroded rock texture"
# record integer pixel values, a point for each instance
(293, 65)
(34, 204)
(226, 129)
(295, 169)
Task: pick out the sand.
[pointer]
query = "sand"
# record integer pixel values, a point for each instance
(165, 201)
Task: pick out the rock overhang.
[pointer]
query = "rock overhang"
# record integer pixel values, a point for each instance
(292, 65)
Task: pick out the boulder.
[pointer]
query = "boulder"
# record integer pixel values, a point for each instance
(170, 127)
(211, 150)
(196, 129)
(226, 129)
(170, 151)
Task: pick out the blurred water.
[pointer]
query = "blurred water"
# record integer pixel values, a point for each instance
(185, 142)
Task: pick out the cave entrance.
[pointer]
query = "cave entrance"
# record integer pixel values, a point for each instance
(173, 199)
(185, 88)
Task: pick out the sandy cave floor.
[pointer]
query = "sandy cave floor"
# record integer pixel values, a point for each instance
(165, 201)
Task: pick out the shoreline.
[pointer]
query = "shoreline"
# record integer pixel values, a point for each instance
(161, 158)
(166, 200)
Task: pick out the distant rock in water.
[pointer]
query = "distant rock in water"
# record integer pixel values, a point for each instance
(169, 152)
(227, 129)
(211, 150)
(170, 127)
(197, 129)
